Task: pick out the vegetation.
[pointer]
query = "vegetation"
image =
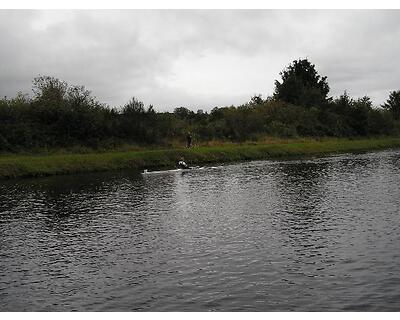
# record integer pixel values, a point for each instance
(59, 116)
(12, 166)
(301, 85)
(393, 104)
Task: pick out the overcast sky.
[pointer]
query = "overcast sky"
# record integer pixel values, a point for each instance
(198, 58)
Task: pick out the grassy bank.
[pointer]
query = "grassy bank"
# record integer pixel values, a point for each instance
(12, 166)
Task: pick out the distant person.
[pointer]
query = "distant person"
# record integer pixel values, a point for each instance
(182, 164)
(188, 140)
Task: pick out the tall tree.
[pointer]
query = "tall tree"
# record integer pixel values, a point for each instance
(302, 85)
(393, 104)
(49, 90)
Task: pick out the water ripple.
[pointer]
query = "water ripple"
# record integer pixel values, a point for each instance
(311, 235)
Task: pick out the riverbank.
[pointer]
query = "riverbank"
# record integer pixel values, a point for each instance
(13, 166)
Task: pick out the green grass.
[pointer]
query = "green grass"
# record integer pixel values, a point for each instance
(12, 166)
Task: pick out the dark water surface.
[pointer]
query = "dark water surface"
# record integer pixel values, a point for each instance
(310, 235)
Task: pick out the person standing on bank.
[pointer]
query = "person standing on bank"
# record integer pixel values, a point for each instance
(188, 140)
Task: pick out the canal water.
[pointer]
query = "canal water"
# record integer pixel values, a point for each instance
(310, 235)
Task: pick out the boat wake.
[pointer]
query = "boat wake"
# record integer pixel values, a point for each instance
(145, 172)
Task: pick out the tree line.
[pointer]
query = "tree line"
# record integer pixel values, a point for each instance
(59, 115)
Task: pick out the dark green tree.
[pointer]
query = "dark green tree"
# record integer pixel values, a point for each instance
(359, 115)
(393, 104)
(49, 90)
(183, 113)
(302, 85)
(134, 107)
(256, 99)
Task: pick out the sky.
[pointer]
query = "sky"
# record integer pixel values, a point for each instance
(198, 59)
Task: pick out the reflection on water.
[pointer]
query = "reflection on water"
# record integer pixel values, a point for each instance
(311, 235)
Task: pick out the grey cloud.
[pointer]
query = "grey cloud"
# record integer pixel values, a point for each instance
(186, 57)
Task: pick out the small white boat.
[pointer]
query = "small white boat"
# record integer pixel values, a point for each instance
(172, 170)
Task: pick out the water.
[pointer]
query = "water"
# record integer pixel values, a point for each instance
(311, 235)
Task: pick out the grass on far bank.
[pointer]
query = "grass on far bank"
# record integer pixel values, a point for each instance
(12, 166)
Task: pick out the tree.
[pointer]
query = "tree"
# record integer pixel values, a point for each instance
(301, 85)
(78, 96)
(49, 90)
(256, 99)
(343, 104)
(183, 113)
(393, 104)
(133, 107)
(359, 115)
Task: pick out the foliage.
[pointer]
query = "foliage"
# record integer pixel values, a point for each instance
(301, 85)
(393, 104)
(61, 116)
